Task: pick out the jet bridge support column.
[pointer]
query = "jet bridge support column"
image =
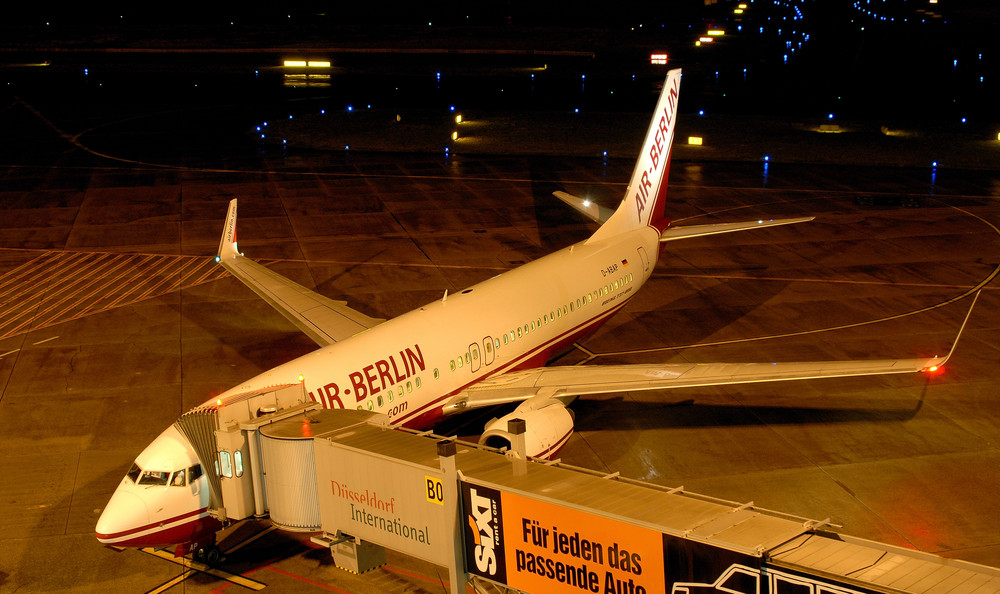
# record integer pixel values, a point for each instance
(456, 567)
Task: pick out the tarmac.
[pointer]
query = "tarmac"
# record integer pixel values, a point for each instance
(114, 321)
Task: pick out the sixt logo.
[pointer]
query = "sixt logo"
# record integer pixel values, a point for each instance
(484, 542)
(660, 142)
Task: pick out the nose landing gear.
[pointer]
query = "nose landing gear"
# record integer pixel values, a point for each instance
(210, 555)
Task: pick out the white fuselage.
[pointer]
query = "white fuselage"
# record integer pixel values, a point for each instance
(406, 367)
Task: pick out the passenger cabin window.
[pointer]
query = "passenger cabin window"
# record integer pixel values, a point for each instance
(437, 373)
(380, 400)
(226, 464)
(238, 462)
(418, 382)
(178, 479)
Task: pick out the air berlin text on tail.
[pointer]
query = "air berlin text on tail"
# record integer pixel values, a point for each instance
(659, 143)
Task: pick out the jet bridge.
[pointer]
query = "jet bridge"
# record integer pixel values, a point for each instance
(225, 435)
(497, 518)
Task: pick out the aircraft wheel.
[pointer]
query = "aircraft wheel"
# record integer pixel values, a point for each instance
(210, 555)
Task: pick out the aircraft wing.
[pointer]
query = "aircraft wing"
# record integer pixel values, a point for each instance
(571, 381)
(565, 383)
(324, 320)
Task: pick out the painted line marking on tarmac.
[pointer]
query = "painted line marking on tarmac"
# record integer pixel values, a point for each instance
(194, 566)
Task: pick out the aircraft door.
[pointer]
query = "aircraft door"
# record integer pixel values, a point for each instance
(475, 358)
(489, 353)
(644, 258)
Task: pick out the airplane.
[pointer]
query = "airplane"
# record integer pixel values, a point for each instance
(485, 346)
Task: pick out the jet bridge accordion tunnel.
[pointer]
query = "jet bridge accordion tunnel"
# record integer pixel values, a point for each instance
(497, 517)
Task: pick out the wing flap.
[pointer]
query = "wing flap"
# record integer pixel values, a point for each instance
(324, 320)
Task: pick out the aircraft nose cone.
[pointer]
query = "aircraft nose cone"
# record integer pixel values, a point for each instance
(124, 515)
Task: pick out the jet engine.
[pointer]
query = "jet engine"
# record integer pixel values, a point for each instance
(548, 425)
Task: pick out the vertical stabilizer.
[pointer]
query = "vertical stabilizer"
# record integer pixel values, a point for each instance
(644, 200)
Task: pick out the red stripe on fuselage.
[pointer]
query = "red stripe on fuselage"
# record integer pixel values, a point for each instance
(191, 531)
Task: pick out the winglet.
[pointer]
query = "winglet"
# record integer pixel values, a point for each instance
(227, 245)
(961, 329)
(937, 362)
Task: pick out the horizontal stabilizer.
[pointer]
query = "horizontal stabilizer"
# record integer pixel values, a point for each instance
(591, 210)
(675, 233)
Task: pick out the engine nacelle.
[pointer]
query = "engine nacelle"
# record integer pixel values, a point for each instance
(548, 425)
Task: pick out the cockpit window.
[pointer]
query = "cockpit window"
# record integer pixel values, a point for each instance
(134, 472)
(194, 472)
(178, 479)
(153, 477)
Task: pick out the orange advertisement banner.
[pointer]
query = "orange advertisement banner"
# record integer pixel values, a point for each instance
(549, 548)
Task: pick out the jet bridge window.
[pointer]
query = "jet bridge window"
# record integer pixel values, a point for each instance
(225, 464)
(238, 459)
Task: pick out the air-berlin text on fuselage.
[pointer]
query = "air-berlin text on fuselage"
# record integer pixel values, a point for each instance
(656, 149)
(372, 379)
